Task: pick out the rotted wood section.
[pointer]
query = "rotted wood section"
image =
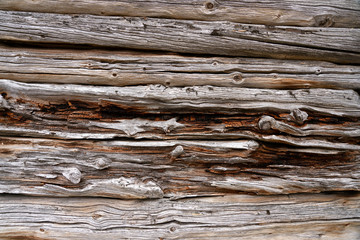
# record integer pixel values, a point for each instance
(252, 140)
(179, 119)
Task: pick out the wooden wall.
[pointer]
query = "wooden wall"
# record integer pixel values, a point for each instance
(179, 119)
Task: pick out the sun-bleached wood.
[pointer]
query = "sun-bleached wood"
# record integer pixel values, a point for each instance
(170, 168)
(124, 68)
(161, 99)
(302, 216)
(288, 12)
(197, 37)
(200, 143)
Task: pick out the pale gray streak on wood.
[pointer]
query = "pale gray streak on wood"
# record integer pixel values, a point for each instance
(301, 216)
(124, 188)
(138, 125)
(221, 38)
(120, 68)
(290, 12)
(310, 142)
(306, 142)
(290, 182)
(161, 99)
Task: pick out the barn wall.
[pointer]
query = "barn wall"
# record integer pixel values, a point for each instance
(179, 119)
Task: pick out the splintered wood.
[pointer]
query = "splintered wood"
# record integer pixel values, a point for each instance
(179, 119)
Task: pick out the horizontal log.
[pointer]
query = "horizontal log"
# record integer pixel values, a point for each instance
(309, 216)
(121, 68)
(161, 99)
(170, 168)
(199, 37)
(289, 12)
(81, 124)
(75, 120)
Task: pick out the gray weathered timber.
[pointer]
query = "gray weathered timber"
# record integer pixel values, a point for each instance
(176, 168)
(179, 119)
(124, 68)
(198, 37)
(161, 99)
(300, 217)
(307, 13)
(81, 120)
(77, 123)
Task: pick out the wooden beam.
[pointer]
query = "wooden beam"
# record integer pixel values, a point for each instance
(161, 99)
(198, 37)
(124, 68)
(288, 12)
(309, 216)
(171, 168)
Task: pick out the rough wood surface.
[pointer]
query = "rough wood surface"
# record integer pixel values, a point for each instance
(171, 168)
(161, 99)
(304, 217)
(89, 112)
(188, 139)
(124, 68)
(308, 13)
(197, 37)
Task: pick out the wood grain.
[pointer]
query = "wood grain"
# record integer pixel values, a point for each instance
(179, 119)
(338, 45)
(125, 68)
(171, 168)
(304, 217)
(288, 12)
(161, 99)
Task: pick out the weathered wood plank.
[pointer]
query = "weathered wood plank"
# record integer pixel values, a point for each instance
(120, 68)
(332, 13)
(222, 38)
(162, 99)
(76, 120)
(304, 217)
(177, 168)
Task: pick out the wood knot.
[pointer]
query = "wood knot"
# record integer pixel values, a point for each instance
(266, 122)
(73, 175)
(324, 20)
(209, 7)
(177, 151)
(102, 162)
(237, 78)
(298, 116)
(114, 73)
